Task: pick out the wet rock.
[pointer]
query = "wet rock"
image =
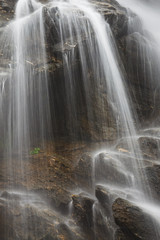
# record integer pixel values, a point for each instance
(102, 195)
(34, 219)
(153, 178)
(117, 18)
(6, 11)
(103, 217)
(133, 221)
(59, 198)
(104, 198)
(111, 170)
(135, 48)
(84, 171)
(96, 125)
(119, 235)
(150, 147)
(128, 45)
(152, 131)
(10, 196)
(15, 226)
(51, 25)
(82, 210)
(66, 233)
(103, 226)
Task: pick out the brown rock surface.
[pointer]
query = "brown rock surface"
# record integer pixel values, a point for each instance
(7, 8)
(153, 176)
(133, 221)
(34, 196)
(28, 217)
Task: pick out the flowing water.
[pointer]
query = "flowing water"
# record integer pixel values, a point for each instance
(144, 30)
(26, 115)
(25, 105)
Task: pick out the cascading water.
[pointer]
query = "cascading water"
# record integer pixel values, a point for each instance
(25, 106)
(143, 30)
(25, 113)
(85, 37)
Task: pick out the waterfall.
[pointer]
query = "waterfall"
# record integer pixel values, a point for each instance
(143, 29)
(28, 113)
(26, 105)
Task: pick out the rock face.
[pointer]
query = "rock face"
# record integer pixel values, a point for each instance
(38, 207)
(148, 144)
(52, 174)
(82, 211)
(150, 147)
(101, 124)
(92, 117)
(51, 181)
(27, 217)
(6, 11)
(133, 222)
(84, 172)
(111, 169)
(137, 46)
(143, 91)
(91, 114)
(153, 176)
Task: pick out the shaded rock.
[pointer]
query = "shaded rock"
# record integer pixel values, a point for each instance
(6, 11)
(51, 25)
(153, 178)
(137, 47)
(76, 121)
(150, 147)
(103, 216)
(151, 131)
(10, 196)
(32, 218)
(133, 222)
(66, 233)
(84, 171)
(111, 170)
(116, 16)
(16, 226)
(103, 197)
(58, 197)
(82, 211)
(103, 226)
(81, 118)
(119, 235)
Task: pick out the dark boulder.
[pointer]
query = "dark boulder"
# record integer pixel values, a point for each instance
(104, 198)
(103, 226)
(139, 56)
(119, 235)
(150, 147)
(83, 211)
(111, 170)
(153, 179)
(7, 8)
(84, 172)
(133, 221)
(31, 218)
